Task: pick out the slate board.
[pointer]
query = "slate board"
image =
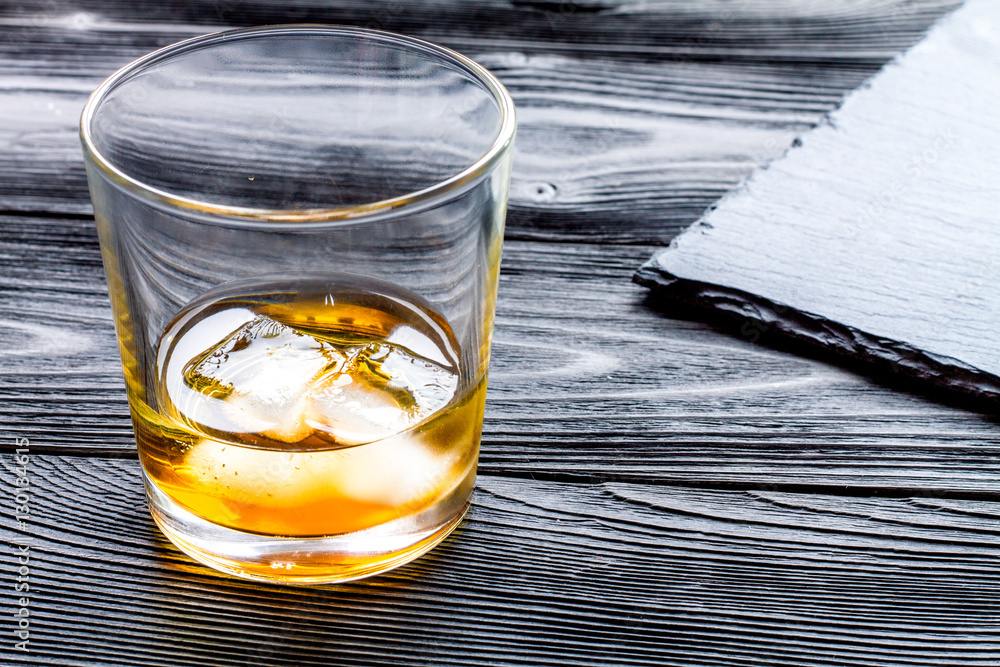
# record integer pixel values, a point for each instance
(877, 235)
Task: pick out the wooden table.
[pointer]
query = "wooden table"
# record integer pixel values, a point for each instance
(652, 491)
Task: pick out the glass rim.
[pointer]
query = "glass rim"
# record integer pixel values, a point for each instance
(419, 199)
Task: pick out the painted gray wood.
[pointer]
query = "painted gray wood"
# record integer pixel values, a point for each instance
(652, 491)
(587, 383)
(849, 31)
(540, 573)
(632, 120)
(876, 238)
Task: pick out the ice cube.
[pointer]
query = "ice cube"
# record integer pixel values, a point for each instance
(399, 471)
(255, 380)
(381, 390)
(419, 342)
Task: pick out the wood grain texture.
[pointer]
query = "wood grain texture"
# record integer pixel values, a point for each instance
(587, 382)
(541, 574)
(596, 536)
(877, 237)
(853, 31)
(610, 148)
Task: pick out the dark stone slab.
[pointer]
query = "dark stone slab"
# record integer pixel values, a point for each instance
(877, 236)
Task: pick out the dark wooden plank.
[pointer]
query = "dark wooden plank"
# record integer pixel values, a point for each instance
(540, 574)
(861, 31)
(587, 382)
(876, 239)
(607, 150)
(634, 117)
(590, 166)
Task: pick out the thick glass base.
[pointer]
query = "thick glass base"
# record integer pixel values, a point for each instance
(307, 560)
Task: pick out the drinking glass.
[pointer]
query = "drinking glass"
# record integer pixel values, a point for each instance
(301, 229)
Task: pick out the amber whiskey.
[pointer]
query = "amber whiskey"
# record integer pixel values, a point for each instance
(311, 408)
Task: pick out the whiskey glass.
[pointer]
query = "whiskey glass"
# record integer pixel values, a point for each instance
(301, 229)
